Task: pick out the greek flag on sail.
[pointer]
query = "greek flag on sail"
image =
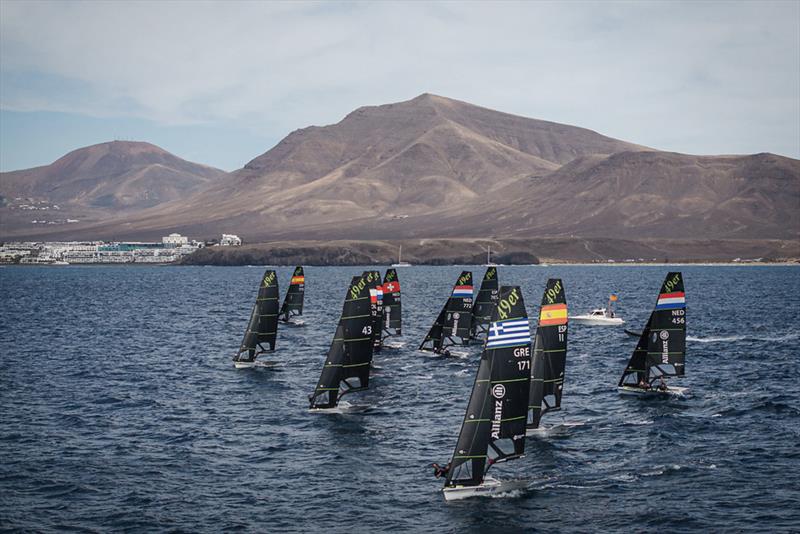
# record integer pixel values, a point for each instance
(508, 333)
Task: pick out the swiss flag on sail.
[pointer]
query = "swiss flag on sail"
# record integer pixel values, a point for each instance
(391, 287)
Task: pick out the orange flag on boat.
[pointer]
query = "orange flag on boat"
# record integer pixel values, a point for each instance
(612, 298)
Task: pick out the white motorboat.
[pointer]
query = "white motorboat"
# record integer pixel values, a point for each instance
(597, 317)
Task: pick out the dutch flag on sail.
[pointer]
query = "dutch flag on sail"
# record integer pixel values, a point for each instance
(376, 294)
(508, 333)
(462, 291)
(671, 301)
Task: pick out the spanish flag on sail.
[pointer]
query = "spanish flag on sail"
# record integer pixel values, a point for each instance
(553, 314)
(298, 279)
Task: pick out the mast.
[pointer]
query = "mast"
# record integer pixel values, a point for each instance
(293, 302)
(661, 349)
(392, 310)
(484, 304)
(373, 279)
(493, 430)
(347, 364)
(263, 325)
(549, 354)
(454, 320)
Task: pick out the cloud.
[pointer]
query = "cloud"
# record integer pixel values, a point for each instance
(696, 77)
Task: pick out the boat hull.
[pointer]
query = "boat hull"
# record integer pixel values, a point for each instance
(342, 408)
(488, 488)
(655, 392)
(256, 364)
(596, 321)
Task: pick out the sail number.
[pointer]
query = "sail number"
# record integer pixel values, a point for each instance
(367, 330)
(524, 365)
(505, 305)
(677, 316)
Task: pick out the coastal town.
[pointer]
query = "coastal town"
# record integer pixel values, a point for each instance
(170, 250)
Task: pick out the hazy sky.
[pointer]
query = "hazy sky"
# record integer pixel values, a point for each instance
(221, 83)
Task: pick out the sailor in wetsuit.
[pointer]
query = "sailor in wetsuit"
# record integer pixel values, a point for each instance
(439, 471)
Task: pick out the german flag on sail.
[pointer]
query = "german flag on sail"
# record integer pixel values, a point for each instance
(298, 279)
(553, 314)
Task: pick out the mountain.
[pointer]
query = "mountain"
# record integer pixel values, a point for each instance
(434, 167)
(104, 180)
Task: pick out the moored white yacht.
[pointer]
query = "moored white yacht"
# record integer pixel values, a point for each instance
(599, 316)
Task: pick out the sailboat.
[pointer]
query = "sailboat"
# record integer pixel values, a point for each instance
(263, 325)
(375, 286)
(489, 262)
(392, 310)
(293, 302)
(599, 316)
(485, 302)
(661, 349)
(493, 430)
(347, 364)
(400, 262)
(549, 357)
(453, 321)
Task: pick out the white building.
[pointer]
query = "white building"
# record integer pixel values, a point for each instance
(175, 240)
(230, 240)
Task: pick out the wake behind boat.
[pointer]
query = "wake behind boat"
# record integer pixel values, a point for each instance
(263, 326)
(599, 316)
(661, 350)
(493, 430)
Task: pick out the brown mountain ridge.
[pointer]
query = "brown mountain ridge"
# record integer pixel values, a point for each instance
(436, 167)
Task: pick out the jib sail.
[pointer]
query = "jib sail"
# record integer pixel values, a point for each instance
(661, 349)
(373, 279)
(348, 361)
(485, 302)
(494, 426)
(263, 326)
(454, 320)
(293, 302)
(549, 353)
(392, 311)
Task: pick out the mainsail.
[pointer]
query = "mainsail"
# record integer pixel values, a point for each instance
(454, 320)
(392, 311)
(661, 349)
(263, 326)
(293, 302)
(484, 304)
(373, 279)
(549, 354)
(494, 425)
(348, 361)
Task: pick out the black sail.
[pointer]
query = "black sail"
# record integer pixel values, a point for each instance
(494, 425)
(661, 349)
(454, 320)
(373, 279)
(392, 310)
(347, 364)
(485, 302)
(262, 329)
(549, 353)
(293, 302)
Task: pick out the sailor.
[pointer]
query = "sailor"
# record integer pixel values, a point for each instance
(643, 384)
(662, 386)
(439, 471)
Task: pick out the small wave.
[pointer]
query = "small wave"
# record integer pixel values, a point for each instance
(639, 422)
(513, 494)
(791, 336)
(720, 339)
(462, 372)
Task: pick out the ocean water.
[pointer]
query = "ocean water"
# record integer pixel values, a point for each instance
(120, 409)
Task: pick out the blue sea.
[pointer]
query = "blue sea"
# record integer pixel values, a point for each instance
(120, 409)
